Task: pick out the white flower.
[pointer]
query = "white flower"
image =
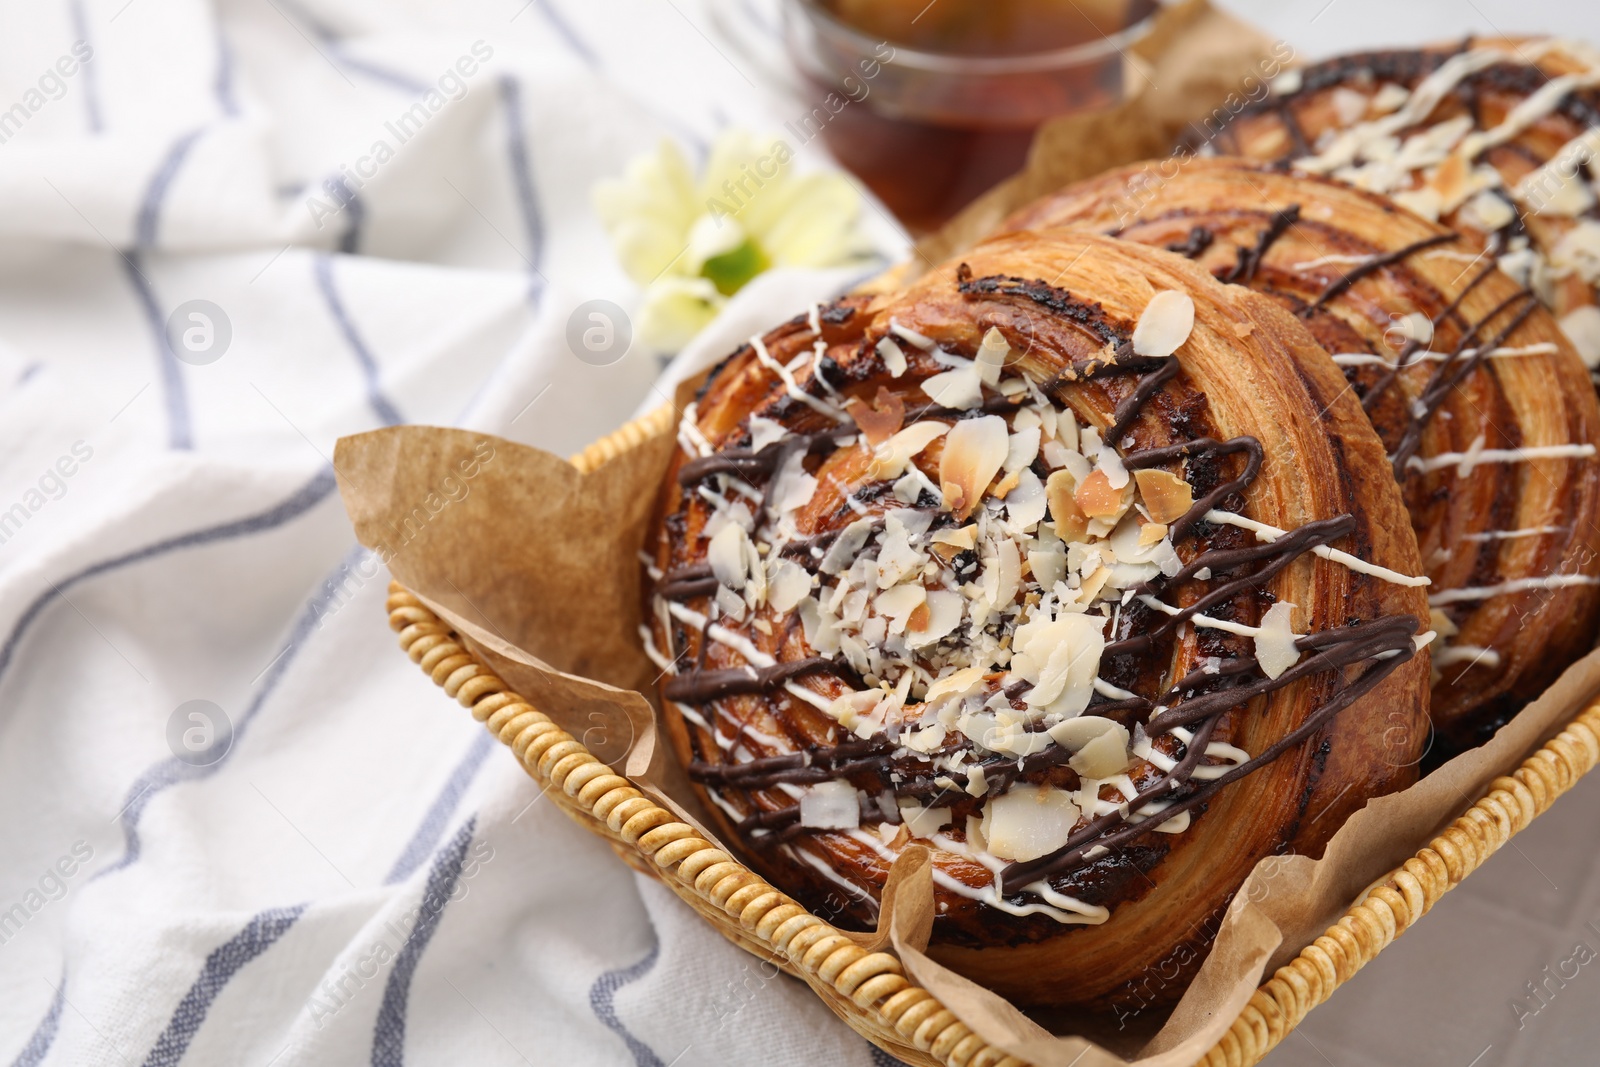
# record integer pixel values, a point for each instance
(693, 243)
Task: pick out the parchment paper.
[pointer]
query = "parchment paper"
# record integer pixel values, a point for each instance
(536, 567)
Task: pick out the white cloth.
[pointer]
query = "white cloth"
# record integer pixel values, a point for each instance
(363, 877)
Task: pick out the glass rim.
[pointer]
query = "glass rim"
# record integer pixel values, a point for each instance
(951, 63)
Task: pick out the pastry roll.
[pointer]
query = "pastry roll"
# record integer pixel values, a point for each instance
(1494, 138)
(1068, 562)
(1481, 402)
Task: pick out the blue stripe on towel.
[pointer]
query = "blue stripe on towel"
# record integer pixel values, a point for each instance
(602, 1001)
(569, 36)
(389, 1032)
(180, 432)
(426, 837)
(91, 77)
(224, 86)
(148, 226)
(222, 964)
(522, 179)
(381, 406)
(173, 771)
(44, 1035)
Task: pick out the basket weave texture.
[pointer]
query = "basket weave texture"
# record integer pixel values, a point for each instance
(870, 990)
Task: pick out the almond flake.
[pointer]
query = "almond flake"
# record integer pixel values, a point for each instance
(1022, 448)
(1071, 523)
(943, 614)
(1450, 182)
(960, 537)
(787, 586)
(1348, 104)
(890, 459)
(1103, 757)
(1390, 98)
(1151, 532)
(764, 432)
(1096, 498)
(1027, 822)
(1275, 650)
(957, 683)
(1489, 212)
(882, 419)
(830, 806)
(899, 603)
(923, 822)
(1166, 496)
(726, 556)
(893, 356)
(1582, 327)
(960, 389)
(992, 356)
(1072, 734)
(1004, 484)
(1165, 324)
(973, 453)
(1061, 657)
(1424, 202)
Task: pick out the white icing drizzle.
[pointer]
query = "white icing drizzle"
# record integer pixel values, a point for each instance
(1418, 106)
(905, 333)
(826, 870)
(1203, 622)
(790, 386)
(1368, 359)
(1512, 535)
(858, 608)
(1265, 532)
(1106, 689)
(1515, 585)
(1332, 259)
(689, 436)
(1464, 462)
(1058, 906)
(738, 642)
(1537, 105)
(1567, 161)
(1474, 654)
(650, 567)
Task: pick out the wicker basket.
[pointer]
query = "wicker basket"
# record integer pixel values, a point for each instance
(870, 990)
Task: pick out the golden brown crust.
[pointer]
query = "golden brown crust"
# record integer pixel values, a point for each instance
(1538, 400)
(1338, 93)
(1247, 369)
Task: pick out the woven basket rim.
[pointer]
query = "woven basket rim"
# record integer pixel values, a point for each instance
(870, 990)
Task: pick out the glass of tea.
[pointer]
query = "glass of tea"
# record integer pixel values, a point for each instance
(932, 103)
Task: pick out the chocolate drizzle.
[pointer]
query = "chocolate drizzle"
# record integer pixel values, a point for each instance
(1200, 699)
(1273, 555)
(700, 686)
(1243, 271)
(1412, 346)
(1193, 246)
(1388, 642)
(1372, 266)
(1453, 371)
